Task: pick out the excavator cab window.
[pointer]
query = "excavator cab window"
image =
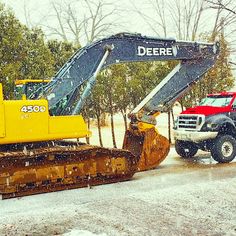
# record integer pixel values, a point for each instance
(18, 92)
(25, 89)
(60, 108)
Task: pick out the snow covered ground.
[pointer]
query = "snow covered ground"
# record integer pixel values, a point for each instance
(162, 120)
(196, 197)
(178, 198)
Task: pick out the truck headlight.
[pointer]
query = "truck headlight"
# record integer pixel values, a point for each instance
(199, 120)
(211, 125)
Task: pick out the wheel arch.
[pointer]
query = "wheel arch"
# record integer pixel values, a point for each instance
(227, 127)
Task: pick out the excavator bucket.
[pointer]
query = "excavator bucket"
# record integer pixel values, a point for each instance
(149, 146)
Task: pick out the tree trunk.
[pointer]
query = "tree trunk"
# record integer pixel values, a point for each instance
(181, 104)
(113, 130)
(103, 121)
(87, 138)
(172, 115)
(169, 129)
(125, 120)
(99, 130)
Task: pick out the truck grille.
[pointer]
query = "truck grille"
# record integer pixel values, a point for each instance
(190, 122)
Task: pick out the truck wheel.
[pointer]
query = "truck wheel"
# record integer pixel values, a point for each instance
(224, 149)
(185, 149)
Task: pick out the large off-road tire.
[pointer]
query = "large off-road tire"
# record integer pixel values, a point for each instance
(185, 149)
(224, 149)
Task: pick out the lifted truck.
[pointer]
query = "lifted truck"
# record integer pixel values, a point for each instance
(210, 126)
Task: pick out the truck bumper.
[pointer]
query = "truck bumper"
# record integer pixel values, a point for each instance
(193, 136)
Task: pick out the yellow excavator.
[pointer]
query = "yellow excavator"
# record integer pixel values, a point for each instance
(35, 154)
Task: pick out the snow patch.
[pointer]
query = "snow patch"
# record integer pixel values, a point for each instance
(76, 232)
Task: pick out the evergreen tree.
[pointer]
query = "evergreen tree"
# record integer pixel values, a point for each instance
(23, 52)
(144, 77)
(38, 60)
(61, 52)
(11, 49)
(121, 89)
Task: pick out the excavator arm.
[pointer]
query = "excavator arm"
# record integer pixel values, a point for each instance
(142, 138)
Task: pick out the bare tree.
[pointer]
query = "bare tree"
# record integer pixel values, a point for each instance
(189, 19)
(186, 16)
(98, 22)
(27, 15)
(197, 17)
(226, 13)
(216, 24)
(74, 23)
(29, 10)
(69, 24)
(159, 21)
(220, 4)
(82, 20)
(162, 17)
(59, 14)
(176, 15)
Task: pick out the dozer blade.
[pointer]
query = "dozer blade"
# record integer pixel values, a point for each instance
(57, 168)
(149, 146)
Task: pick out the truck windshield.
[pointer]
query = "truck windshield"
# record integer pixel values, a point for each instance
(216, 101)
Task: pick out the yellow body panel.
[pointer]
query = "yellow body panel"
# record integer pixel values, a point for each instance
(67, 125)
(29, 121)
(2, 120)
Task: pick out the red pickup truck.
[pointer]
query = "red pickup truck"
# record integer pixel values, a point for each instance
(210, 126)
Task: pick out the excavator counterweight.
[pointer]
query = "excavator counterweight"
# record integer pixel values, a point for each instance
(35, 158)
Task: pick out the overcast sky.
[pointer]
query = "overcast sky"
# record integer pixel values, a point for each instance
(40, 11)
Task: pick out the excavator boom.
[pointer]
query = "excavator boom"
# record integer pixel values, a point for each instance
(195, 59)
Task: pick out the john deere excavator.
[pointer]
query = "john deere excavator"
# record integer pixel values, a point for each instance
(34, 155)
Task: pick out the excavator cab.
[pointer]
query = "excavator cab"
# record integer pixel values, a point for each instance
(25, 88)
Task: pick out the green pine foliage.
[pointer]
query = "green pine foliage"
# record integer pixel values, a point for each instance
(61, 52)
(23, 52)
(11, 49)
(37, 62)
